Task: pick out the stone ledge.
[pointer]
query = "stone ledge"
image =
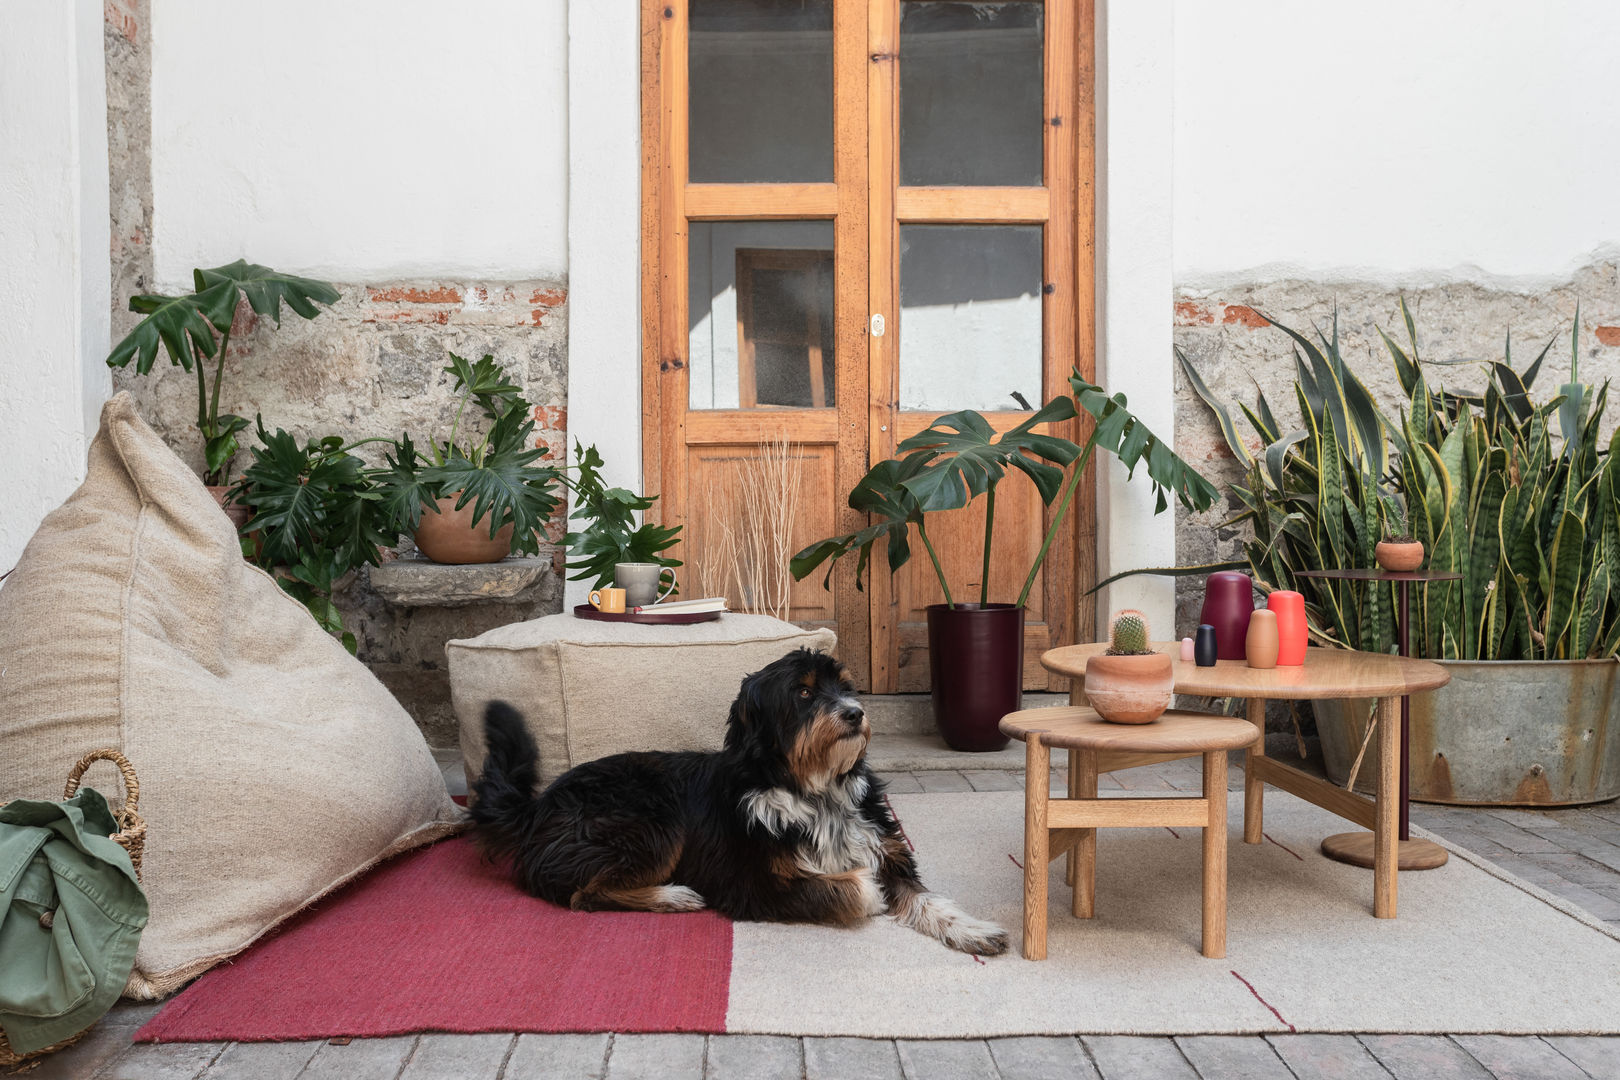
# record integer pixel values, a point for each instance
(413, 581)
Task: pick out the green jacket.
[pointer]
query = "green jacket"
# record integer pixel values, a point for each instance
(58, 977)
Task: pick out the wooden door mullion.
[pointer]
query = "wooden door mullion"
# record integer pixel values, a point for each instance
(672, 383)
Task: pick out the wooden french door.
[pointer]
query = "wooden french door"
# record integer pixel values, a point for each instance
(859, 215)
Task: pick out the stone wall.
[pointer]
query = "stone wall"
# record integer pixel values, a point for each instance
(1236, 351)
(370, 365)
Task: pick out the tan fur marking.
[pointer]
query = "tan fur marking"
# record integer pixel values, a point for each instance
(825, 749)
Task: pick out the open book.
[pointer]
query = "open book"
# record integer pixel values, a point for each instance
(686, 607)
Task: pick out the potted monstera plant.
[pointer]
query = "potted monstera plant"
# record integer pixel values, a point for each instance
(976, 647)
(195, 327)
(473, 497)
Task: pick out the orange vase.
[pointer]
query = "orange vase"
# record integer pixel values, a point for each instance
(1291, 636)
(1260, 646)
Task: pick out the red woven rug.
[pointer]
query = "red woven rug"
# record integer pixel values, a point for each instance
(438, 940)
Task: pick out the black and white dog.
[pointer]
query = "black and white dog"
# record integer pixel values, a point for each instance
(785, 824)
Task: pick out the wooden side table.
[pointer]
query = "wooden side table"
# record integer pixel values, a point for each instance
(1055, 826)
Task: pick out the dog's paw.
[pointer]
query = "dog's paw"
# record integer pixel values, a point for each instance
(977, 937)
(677, 898)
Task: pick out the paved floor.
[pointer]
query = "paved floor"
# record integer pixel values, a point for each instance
(1573, 853)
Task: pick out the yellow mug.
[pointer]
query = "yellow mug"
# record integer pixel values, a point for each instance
(608, 600)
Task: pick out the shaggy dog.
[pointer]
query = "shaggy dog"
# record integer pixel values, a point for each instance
(785, 824)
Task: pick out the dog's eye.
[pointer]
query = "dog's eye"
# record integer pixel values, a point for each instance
(804, 691)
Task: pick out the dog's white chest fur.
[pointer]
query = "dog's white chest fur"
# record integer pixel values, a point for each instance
(838, 837)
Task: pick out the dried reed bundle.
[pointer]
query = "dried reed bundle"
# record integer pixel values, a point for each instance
(748, 531)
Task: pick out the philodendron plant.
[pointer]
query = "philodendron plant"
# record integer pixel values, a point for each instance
(196, 326)
(959, 457)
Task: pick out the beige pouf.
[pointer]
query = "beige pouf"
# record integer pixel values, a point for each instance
(588, 689)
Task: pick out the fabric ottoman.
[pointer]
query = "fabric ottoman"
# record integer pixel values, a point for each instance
(588, 688)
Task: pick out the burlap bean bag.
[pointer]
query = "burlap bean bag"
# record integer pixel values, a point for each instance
(588, 689)
(273, 765)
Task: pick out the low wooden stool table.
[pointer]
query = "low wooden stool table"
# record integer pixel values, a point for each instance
(1054, 826)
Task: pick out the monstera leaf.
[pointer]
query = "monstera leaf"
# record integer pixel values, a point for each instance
(882, 493)
(180, 324)
(266, 289)
(970, 460)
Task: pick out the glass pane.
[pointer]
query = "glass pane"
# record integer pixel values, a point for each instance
(761, 76)
(761, 315)
(970, 317)
(971, 93)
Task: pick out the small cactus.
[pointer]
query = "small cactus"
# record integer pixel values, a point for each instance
(1128, 634)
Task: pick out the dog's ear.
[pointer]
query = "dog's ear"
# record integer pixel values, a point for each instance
(749, 708)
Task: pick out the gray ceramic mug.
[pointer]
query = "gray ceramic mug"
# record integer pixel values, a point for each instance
(640, 582)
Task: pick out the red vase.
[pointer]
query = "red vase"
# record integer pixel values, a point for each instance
(1228, 600)
(1291, 636)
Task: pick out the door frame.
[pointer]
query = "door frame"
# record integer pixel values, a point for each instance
(1069, 311)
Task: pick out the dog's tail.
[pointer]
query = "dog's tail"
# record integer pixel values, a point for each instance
(503, 796)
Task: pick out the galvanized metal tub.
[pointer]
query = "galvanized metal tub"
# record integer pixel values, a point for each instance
(1501, 733)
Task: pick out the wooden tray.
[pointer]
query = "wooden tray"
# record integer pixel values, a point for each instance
(667, 618)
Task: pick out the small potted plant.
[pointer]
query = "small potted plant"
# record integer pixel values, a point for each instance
(610, 535)
(976, 649)
(484, 495)
(1399, 552)
(197, 326)
(1130, 683)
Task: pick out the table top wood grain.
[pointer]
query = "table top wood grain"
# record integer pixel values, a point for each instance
(1326, 673)
(1078, 728)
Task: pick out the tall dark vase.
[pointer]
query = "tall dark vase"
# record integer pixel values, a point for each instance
(976, 664)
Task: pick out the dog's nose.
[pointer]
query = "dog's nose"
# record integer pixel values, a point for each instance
(853, 715)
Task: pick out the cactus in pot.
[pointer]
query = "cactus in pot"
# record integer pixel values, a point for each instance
(1131, 683)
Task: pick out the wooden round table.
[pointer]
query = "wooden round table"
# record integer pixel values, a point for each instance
(1326, 673)
(1055, 826)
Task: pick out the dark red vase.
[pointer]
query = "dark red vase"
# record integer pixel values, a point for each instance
(1228, 602)
(976, 666)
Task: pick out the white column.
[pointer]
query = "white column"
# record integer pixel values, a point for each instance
(604, 239)
(55, 265)
(1135, 289)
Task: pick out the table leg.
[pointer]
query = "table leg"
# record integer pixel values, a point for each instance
(1037, 773)
(1254, 789)
(1386, 822)
(1074, 793)
(1083, 856)
(1215, 854)
(1406, 719)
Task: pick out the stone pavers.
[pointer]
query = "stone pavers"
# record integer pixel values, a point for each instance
(1574, 854)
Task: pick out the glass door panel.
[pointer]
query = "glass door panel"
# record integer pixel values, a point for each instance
(761, 76)
(970, 317)
(761, 314)
(971, 111)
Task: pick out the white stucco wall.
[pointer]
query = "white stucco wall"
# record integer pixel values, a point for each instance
(1394, 141)
(362, 140)
(54, 267)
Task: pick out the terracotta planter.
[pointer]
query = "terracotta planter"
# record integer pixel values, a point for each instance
(1399, 558)
(1129, 689)
(237, 512)
(450, 536)
(976, 668)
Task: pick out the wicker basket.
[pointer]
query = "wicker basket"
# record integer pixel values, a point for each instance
(131, 836)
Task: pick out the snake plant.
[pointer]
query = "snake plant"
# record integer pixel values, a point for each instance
(1518, 497)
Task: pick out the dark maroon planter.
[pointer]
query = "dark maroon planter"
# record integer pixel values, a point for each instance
(976, 665)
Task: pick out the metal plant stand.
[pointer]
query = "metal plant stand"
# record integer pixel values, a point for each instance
(1356, 848)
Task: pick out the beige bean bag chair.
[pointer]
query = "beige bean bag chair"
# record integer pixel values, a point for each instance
(273, 766)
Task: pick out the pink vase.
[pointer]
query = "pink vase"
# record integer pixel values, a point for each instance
(1228, 601)
(1260, 643)
(1291, 636)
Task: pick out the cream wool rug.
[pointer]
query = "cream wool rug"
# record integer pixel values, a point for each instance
(1474, 949)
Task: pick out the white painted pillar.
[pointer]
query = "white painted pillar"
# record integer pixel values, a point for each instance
(604, 239)
(1135, 287)
(55, 262)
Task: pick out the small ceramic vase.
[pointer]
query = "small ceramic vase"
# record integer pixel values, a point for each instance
(1260, 644)
(1204, 651)
(1228, 600)
(1291, 638)
(1187, 652)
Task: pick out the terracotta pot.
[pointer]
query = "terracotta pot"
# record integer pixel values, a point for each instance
(1228, 599)
(237, 512)
(1292, 636)
(450, 536)
(976, 671)
(1260, 644)
(1130, 689)
(1399, 558)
